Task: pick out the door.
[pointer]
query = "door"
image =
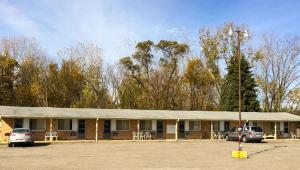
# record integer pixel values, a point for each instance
(286, 127)
(159, 129)
(181, 129)
(226, 126)
(107, 130)
(81, 129)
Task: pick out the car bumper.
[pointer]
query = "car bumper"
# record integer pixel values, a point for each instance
(20, 140)
(256, 138)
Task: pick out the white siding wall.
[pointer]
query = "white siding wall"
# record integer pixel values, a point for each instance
(281, 126)
(186, 125)
(113, 125)
(26, 123)
(74, 124)
(153, 125)
(221, 125)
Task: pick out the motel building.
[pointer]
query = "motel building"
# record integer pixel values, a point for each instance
(127, 124)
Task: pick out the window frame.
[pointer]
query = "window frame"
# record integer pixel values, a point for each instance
(193, 123)
(218, 123)
(71, 125)
(122, 126)
(37, 130)
(145, 126)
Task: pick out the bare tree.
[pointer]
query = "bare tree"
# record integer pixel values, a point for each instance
(278, 69)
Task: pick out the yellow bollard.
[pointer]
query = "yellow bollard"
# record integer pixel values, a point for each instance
(239, 154)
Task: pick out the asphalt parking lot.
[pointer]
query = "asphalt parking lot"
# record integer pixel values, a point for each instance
(199, 154)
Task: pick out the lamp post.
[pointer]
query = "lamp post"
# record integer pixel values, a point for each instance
(240, 34)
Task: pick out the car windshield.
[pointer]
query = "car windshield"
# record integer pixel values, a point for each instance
(256, 129)
(20, 130)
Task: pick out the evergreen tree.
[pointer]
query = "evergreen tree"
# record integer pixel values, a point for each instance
(229, 90)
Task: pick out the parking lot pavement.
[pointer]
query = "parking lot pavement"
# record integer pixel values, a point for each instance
(199, 154)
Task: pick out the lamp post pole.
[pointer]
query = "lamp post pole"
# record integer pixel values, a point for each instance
(240, 34)
(240, 95)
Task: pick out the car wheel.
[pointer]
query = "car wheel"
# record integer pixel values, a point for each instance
(244, 139)
(32, 143)
(259, 141)
(9, 145)
(227, 137)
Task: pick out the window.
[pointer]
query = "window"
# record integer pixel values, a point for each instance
(273, 126)
(286, 127)
(256, 129)
(216, 125)
(226, 126)
(195, 125)
(145, 125)
(64, 124)
(18, 123)
(258, 124)
(37, 124)
(122, 125)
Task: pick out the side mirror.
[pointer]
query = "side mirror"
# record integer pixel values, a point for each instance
(240, 129)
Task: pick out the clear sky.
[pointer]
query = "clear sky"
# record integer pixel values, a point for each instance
(116, 25)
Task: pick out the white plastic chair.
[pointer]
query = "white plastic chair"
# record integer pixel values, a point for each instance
(135, 136)
(54, 136)
(148, 135)
(142, 136)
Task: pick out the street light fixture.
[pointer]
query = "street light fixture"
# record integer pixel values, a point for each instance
(240, 34)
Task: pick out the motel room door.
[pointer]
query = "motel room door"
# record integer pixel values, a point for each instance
(181, 129)
(107, 130)
(159, 129)
(81, 129)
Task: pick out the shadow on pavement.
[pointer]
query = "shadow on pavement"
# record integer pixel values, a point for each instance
(35, 145)
(266, 150)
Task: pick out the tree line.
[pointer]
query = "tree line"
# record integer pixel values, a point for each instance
(158, 75)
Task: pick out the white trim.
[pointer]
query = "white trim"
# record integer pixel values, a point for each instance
(26, 123)
(154, 125)
(113, 126)
(186, 125)
(222, 126)
(281, 126)
(74, 124)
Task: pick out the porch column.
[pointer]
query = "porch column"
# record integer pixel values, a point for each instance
(51, 129)
(211, 130)
(176, 129)
(275, 128)
(96, 130)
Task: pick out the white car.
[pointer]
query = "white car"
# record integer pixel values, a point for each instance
(20, 135)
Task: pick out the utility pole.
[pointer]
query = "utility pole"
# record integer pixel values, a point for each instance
(240, 34)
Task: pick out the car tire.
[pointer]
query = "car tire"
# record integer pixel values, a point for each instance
(259, 141)
(244, 139)
(227, 138)
(32, 143)
(9, 145)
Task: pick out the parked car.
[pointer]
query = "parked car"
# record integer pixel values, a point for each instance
(20, 136)
(249, 133)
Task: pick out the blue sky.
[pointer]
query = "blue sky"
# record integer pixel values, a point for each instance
(116, 25)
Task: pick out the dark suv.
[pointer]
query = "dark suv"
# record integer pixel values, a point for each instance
(249, 133)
